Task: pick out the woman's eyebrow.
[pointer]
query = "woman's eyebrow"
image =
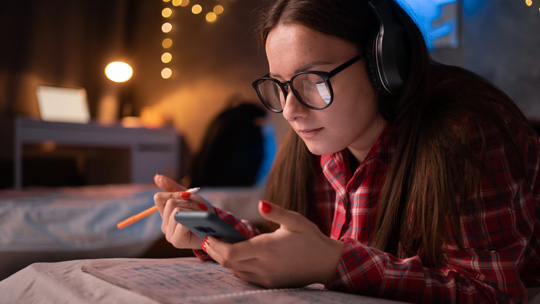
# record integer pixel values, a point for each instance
(303, 68)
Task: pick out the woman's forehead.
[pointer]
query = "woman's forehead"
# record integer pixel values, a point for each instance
(298, 47)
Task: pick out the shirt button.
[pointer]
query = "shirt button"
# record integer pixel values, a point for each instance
(492, 249)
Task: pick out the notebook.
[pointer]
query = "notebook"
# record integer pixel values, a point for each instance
(63, 104)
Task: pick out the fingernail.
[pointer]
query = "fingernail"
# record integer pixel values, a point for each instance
(206, 240)
(185, 195)
(203, 245)
(203, 207)
(265, 207)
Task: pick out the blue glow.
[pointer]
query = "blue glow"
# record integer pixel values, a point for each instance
(437, 19)
(471, 7)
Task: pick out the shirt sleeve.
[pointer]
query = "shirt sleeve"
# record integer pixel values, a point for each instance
(490, 267)
(369, 271)
(244, 226)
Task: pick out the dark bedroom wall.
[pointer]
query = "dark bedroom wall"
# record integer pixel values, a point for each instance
(59, 43)
(500, 40)
(68, 43)
(213, 63)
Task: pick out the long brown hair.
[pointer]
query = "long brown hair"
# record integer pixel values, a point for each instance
(434, 167)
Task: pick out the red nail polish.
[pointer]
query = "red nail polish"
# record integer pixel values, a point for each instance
(185, 195)
(203, 245)
(203, 207)
(206, 240)
(265, 207)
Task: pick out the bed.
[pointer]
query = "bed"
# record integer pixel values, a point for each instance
(68, 223)
(75, 228)
(152, 281)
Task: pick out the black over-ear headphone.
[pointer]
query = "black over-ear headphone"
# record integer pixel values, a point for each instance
(388, 54)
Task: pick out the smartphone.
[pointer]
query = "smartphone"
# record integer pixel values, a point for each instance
(204, 223)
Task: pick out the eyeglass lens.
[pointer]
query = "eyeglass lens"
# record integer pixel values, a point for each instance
(312, 89)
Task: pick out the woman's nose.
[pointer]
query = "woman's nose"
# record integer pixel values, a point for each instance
(293, 109)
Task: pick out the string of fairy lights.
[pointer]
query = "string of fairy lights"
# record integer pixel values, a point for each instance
(530, 3)
(210, 11)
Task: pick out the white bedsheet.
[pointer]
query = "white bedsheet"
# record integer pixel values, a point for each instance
(55, 224)
(58, 224)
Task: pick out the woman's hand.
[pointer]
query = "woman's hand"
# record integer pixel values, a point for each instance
(173, 200)
(297, 254)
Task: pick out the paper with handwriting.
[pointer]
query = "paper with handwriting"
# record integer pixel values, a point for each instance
(188, 280)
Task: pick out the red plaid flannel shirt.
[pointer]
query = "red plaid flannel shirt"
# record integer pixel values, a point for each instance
(346, 202)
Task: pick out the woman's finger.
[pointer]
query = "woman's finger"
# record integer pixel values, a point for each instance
(182, 237)
(169, 224)
(168, 184)
(241, 256)
(172, 223)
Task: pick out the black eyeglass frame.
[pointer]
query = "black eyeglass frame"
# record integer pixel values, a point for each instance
(288, 84)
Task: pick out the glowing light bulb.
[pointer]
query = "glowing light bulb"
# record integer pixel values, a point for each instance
(166, 57)
(166, 27)
(528, 2)
(166, 73)
(166, 12)
(218, 9)
(167, 43)
(211, 17)
(118, 71)
(196, 9)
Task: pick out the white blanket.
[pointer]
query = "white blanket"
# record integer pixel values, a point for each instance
(58, 224)
(41, 225)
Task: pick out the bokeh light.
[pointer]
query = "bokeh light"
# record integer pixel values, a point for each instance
(166, 73)
(118, 71)
(211, 17)
(196, 9)
(218, 9)
(166, 27)
(166, 57)
(166, 12)
(167, 43)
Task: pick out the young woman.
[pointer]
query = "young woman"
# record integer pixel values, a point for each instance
(401, 178)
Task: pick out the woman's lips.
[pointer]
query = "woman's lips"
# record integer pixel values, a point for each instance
(309, 133)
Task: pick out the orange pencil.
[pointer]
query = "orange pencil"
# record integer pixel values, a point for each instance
(133, 219)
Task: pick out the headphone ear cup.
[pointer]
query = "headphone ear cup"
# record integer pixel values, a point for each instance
(371, 65)
(387, 50)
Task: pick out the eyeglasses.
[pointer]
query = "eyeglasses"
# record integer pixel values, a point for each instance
(312, 88)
